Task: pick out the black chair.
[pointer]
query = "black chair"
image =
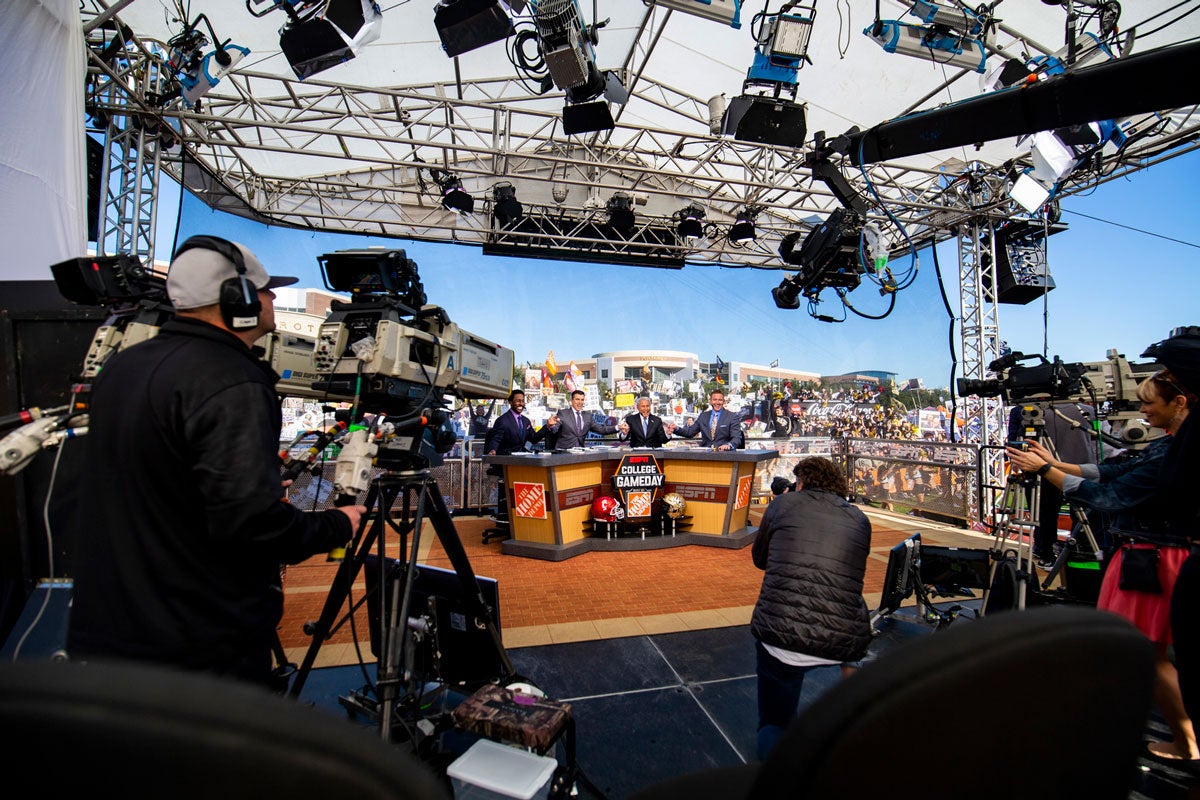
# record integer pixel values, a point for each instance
(141, 731)
(950, 715)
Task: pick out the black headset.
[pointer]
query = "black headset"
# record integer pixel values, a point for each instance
(239, 301)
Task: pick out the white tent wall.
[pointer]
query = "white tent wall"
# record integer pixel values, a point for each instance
(43, 165)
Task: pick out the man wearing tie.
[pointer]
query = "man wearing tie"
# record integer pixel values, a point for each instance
(643, 429)
(511, 430)
(719, 429)
(570, 428)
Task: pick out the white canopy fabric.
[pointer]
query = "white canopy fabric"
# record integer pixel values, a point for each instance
(43, 190)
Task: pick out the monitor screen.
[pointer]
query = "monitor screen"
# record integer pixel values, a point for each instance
(950, 570)
(458, 651)
(897, 583)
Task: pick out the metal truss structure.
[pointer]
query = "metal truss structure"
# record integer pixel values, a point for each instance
(352, 158)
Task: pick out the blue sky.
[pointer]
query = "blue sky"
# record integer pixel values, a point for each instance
(1115, 288)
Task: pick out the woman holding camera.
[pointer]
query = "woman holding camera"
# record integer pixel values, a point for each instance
(1141, 574)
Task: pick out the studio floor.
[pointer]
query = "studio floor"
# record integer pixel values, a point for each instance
(654, 653)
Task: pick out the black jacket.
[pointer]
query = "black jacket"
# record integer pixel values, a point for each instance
(814, 547)
(183, 527)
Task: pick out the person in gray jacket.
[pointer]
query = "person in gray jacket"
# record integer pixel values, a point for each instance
(813, 546)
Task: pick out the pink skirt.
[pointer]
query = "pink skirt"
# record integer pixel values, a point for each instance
(1149, 612)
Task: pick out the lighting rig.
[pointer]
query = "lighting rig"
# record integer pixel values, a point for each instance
(728, 12)
(766, 111)
(949, 34)
(464, 25)
(320, 34)
(567, 45)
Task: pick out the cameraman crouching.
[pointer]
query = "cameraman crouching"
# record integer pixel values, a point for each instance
(1139, 579)
(183, 524)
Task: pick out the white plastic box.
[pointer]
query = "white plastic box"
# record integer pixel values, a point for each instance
(491, 771)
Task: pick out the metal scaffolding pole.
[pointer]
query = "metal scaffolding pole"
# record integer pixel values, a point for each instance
(985, 422)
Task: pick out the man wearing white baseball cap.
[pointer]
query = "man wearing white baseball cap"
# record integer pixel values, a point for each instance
(184, 523)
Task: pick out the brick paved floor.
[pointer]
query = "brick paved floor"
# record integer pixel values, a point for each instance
(593, 595)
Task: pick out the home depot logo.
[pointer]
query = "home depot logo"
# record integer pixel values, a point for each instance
(529, 500)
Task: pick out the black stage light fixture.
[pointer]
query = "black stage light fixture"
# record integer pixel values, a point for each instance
(691, 225)
(505, 206)
(454, 198)
(317, 42)
(742, 229)
(313, 46)
(587, 117)
(464, 25)
(620, 212)
(766, 120)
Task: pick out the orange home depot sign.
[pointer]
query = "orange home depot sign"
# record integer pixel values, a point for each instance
(638, 503)
(743, 493)
(529, 500)
(638, 479)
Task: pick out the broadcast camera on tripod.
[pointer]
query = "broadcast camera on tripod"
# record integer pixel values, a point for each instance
(1109, 386)
(397, 358)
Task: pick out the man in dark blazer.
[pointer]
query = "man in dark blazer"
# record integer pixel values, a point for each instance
(511, 429)
(643, 429)
(570, 428)
(719, 429)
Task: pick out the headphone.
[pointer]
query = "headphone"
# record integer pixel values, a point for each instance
(239, 301)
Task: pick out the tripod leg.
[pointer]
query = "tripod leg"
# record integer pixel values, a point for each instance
(339, 590)
(391, 660)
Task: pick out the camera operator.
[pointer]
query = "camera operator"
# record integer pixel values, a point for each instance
(1140, 577)
(813, 546)
(183, 524)
(1180, 476)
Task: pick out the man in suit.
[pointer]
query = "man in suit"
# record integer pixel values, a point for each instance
(571, 428)
(719, 429)
(512, 430)
(643, 429)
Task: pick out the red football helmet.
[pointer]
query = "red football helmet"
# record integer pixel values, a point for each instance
(607, 509)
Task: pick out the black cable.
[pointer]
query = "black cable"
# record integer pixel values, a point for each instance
(937, 269)
(891, 305)
(1131, 228)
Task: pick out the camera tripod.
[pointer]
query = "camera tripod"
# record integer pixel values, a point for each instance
(420, 499)
(1019, 515)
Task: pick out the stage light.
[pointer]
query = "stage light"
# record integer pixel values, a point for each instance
(742, 229)
(728, 12)
(766, 111)
(930, 43)
(1028, 192)
(951, 35)
(317, 40)
(505, 206)
(620, 212)
(464, 25)
(690, 222)
(454, 197)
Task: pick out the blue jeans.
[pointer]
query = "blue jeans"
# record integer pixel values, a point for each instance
(779, 687)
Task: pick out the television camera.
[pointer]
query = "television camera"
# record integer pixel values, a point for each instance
(1111, 383)
(829, 257)
(137, 303)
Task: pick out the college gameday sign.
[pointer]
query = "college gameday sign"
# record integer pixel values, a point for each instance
(637, 480)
